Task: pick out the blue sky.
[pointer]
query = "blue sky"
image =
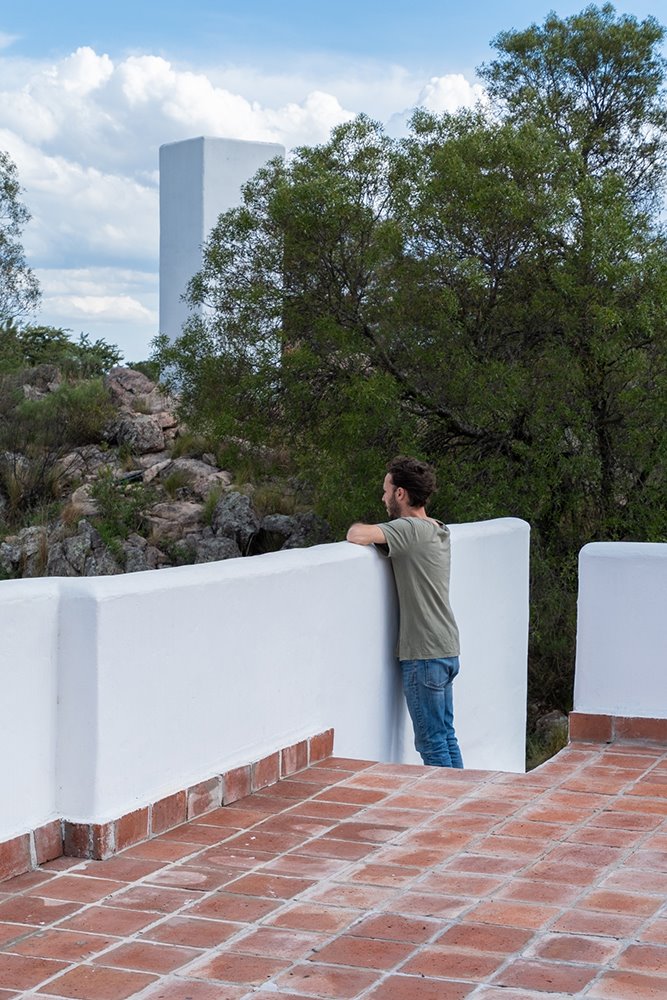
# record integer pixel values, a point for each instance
(88, 92)
(432, 36)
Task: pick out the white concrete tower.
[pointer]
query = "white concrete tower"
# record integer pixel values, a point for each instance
(199, 179)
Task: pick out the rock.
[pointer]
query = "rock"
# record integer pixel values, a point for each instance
(10, 556)
(26, 553)
(140, 556)
(234, 518)
(39, 381)
(152, 458)
(141, 432)
(82, 501)
(201, 478)
(172, 520)
(310, 529)
(214, 549)
(153, 471)
(134, 391)
(552, 727)
(86, 463)
(82, 554)
(279, 524)
(147, 419)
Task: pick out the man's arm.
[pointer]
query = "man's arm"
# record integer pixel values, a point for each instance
(366, 534)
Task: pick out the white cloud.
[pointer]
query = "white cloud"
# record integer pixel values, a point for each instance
(440, 94)
(117, 304)
(85, 131)
(447, 93)
(82, 72)
(108, 308)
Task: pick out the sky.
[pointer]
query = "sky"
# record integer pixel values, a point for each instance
(89, 92)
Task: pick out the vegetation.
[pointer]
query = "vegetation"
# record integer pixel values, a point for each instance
(27, 346)
(19, 291)
(36, 434)
(121, 508)
(489, 292)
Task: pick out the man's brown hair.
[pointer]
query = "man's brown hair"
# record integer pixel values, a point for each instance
(416, 477)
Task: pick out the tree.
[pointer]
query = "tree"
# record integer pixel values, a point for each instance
(490, 292)
(30, 345)
(19, 291)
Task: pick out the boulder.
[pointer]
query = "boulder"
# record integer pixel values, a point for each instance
(141, 432)
(25, 554)
(140, 556)
(134, 391)
(153, 471)
(199, 476)
(82, 554)
(214, 549)
(235, 518)
(172, 520)
(82, 502)
(86, 463)
(309, 529)
(39, 381)
(552, 727)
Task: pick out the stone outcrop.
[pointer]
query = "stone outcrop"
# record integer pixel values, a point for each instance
(192, 512)
(235, 518)
(146, 420)
(81, 554)
(174, 519)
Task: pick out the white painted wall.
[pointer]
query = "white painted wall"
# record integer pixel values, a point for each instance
(29, 657)
(199, 179)
(166, 678)
(621, 666)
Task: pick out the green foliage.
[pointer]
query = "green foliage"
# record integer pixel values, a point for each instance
(74, 414)
(19, 291)
(191, 446)
(36, 434)
(121, 506)
(28, 346)
(489, 293)
(540, 749)
(148, 368)
(175, 481)
(210, 503)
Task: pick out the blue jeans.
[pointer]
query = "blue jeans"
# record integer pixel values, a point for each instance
(428, 691)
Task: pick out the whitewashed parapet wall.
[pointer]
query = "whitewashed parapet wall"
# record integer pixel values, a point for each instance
(121, 690)
(621, 667)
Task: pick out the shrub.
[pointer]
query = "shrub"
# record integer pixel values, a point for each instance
(36, 345)
(121, 507)
(75, 414)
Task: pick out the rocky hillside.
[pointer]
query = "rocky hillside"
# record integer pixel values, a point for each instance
(132, 499)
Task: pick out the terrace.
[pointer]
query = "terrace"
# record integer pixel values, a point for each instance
(269, 867)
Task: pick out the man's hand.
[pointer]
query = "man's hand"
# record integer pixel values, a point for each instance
(366, 534)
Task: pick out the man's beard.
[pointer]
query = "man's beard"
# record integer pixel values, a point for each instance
(393, 510)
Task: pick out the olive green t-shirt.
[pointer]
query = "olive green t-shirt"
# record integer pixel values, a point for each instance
(420, 555)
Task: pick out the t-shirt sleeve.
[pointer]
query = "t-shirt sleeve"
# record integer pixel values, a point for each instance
(398, 535)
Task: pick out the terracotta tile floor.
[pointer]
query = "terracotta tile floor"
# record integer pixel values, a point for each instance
(386, 882)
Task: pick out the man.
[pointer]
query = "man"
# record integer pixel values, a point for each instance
(428, 645)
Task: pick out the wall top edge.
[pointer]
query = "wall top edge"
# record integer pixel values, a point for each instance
(494, 526)
(624, 550)
(268, 564)
(231, 142)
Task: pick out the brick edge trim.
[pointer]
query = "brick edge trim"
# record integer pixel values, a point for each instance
(98, 841)
(587, 727)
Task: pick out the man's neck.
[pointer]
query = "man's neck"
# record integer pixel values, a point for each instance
(419, 512)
